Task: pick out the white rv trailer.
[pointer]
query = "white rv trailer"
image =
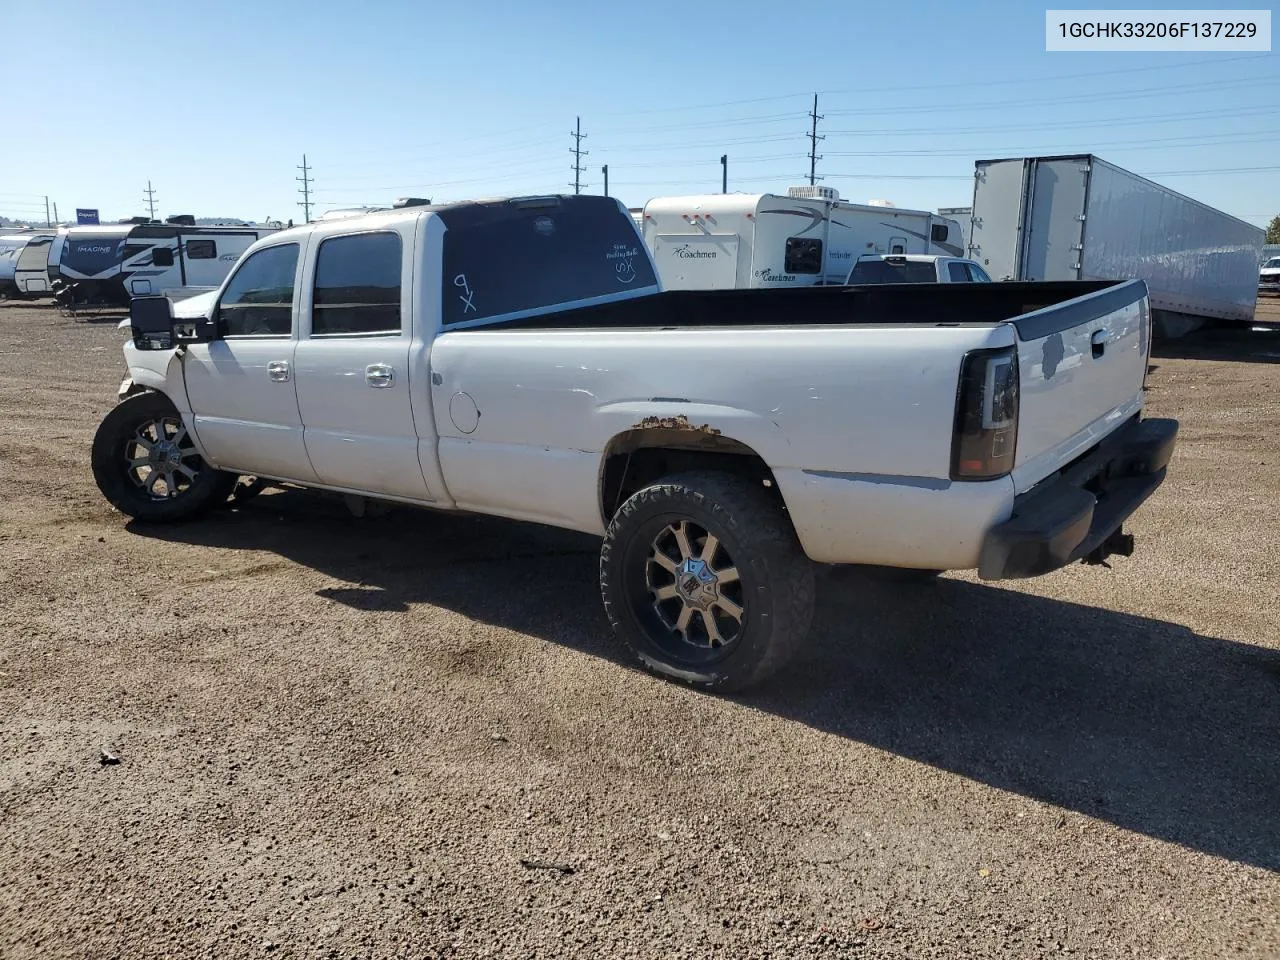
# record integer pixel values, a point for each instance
(24, 264)
(113, 263)
(11, 248)
(808, 237)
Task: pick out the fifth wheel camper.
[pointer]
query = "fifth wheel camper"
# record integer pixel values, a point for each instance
(805, 238)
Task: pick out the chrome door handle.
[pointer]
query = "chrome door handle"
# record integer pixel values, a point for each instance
(1098, 343)
(278, 370)
(379, 375)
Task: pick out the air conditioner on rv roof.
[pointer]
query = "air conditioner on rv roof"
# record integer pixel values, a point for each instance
(813, 192)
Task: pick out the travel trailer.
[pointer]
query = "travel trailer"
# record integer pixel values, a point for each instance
(24, 264)
(112, 263)
(806, 238)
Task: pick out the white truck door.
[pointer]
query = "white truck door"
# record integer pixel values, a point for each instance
(241, 386)
(353, 363)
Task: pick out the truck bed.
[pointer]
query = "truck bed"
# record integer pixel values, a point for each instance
(907, 303)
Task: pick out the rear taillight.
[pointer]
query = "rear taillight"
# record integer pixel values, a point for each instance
(986, 426)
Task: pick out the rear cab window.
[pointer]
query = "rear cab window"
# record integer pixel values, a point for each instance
(892, 271)
(513, 259)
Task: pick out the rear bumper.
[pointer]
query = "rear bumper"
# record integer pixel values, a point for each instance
(1078, 514)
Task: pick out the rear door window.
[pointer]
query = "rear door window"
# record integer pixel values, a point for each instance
(357, 289)
(517, 259)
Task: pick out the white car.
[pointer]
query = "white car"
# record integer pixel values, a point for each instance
(1269, 276)
(517, 358)
(915, 268)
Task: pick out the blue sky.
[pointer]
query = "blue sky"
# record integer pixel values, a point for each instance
(216, 103)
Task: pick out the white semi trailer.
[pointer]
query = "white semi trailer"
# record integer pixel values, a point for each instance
(1081, 218)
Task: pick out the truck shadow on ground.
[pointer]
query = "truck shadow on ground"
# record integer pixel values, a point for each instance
(1238, 344)
(1131, 720)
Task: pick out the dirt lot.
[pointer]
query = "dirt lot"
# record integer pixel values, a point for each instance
(345, 737)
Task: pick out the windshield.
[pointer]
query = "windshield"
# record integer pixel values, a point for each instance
(887, 271)
(1272, 264)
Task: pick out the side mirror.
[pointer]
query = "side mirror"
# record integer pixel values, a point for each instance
(151, 323)
(154, 327)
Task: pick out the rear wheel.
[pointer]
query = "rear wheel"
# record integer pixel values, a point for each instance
(146, 464)
(704, 581)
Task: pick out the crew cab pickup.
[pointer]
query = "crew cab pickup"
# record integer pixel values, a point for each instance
(518, 358)
(915, 268)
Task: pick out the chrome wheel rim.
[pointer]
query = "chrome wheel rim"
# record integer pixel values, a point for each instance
(694, 587)
(160, 458)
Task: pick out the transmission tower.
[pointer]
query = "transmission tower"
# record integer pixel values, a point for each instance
(306, 180)
(578, 154)
(151, 200)
(814, 157)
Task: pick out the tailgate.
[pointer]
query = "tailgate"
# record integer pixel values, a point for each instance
(1081, 367)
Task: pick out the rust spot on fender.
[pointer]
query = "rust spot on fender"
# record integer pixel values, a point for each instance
(678, 422)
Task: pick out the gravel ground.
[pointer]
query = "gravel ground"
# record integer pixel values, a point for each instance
(411, 735)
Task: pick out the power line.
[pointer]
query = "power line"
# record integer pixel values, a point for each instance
(306, 180)
(813, 142)
(527, 174)
(578, 154)
(1133, 120)
(540, 145)
(1140, 94)
(1165, 143)
(151, 200)
(948, 86)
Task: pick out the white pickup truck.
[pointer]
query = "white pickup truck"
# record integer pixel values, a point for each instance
(517, 358)
(914, 268)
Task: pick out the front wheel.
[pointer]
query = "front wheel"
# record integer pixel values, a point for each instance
(704, 581)
(146, 464)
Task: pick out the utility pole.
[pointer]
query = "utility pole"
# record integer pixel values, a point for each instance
(605, 171)
(813, 143)
(151, 200)
(578, 154)
(306, 180)
(55, 213)
(724, 173)
(47, 221)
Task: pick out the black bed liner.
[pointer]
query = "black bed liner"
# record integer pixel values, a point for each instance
(905, 303)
